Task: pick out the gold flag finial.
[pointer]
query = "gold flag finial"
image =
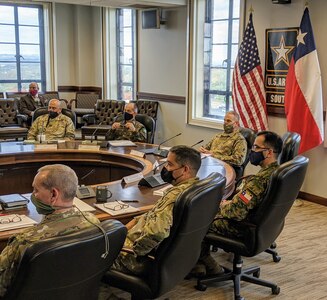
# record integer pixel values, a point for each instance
(251, 10)
(306, 4)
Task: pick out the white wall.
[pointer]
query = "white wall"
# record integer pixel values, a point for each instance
(78, 42)
(162, 70)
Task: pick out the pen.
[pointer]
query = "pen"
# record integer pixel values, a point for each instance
(129, 200)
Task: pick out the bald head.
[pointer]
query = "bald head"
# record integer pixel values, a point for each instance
(54, 106)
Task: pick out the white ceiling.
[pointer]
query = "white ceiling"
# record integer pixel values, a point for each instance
(124, 3)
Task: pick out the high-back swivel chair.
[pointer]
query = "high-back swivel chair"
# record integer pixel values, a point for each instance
(290, 149)
(67, 267)
(44, 110)
(261, 228)
(193, 213)
(249, 136)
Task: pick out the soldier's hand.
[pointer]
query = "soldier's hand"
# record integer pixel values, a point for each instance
(204, 150)
(116, 125)
(130, 126)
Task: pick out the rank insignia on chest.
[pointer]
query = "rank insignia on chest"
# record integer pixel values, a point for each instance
(246, 197)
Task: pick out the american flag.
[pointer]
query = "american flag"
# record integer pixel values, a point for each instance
(248, 87)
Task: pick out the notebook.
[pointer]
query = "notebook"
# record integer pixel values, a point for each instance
(12, 200)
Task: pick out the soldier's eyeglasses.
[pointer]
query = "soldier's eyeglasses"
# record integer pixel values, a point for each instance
(10, 219)
(117, 207)
(256, 147)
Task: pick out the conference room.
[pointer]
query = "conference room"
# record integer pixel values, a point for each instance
(81, 56)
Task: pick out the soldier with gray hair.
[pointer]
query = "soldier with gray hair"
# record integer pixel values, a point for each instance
(230, 145)
(54, 188)
(53, 125)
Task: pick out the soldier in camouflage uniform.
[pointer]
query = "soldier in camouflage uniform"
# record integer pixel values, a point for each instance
(128, 128)
(54, 125)
(229, 146)
(248, 196)
(147, 231)
(54, 188)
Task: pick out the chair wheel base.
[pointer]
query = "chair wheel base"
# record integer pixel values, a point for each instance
(275, 290)
(201, 287)
(256, 274)
(276, 258)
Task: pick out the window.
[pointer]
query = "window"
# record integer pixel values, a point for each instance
(22, 47)
(125, 54)
(214, 31)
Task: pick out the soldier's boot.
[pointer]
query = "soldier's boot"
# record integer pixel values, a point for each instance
(198, 271)
(212, 267)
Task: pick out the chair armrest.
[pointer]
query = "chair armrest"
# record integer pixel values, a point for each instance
(70, 104)
(89, 119)
(130, 251)
(22, 120)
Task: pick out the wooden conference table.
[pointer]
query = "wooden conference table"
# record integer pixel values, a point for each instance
(19, 163)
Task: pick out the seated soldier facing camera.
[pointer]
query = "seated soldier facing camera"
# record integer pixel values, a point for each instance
(128, 128)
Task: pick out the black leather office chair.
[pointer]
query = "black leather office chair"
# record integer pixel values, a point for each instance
(12, 124)
(44, 110)
(67, 267)
(193, 212)
(149, 125)
(262, 227)
(249, 136)
(291, 145)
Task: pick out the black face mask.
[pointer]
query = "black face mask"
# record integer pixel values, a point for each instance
(127, 116)
(167, 176)
(53, 114)
(256, 157)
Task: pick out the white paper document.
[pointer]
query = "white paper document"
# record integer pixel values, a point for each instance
(116, 208)
(121, 143)
(133, 178)
(81, 205)
(13, 221)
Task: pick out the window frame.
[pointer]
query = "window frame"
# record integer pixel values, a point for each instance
(43, 12)
(111, 54)
(197, 106)
(119, 37)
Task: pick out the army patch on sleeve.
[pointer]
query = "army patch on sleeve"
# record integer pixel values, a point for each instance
(246, 197)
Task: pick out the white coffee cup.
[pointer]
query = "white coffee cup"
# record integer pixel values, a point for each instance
(41, 138)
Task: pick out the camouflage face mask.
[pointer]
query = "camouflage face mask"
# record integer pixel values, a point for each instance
(42, 208)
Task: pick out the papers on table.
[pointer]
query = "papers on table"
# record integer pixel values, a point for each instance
(121, 143)
(161, 191)
(132, 178)
(116, 208)
(81, 205)
(13, 221)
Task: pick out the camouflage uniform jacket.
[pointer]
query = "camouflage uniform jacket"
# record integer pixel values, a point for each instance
(228, 147)
(55, 224)
(122, 133)
(150, 230)
(251, 192)
(61, 127)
